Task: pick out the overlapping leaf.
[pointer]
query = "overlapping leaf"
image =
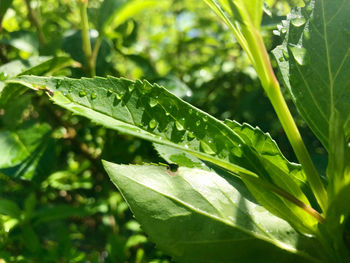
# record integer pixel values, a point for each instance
(314, 60)
(150, 112)
(197, 216)
(33, 65)
(25, 151)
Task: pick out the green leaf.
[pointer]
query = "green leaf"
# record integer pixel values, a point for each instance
(22, 40)
(314, 61)
(152, 113)
(125, 11)
(24, 150)
(34, 65)
(10, 208)
(197, 216)
(172, 155)
(4, 5)
(58, 212)
(280, 169)
(106, 10)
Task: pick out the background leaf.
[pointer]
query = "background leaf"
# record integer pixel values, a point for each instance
(314, 60)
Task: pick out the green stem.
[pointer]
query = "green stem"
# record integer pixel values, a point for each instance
(295, 139)
(270, 84)
(34, 21)
(90, 66)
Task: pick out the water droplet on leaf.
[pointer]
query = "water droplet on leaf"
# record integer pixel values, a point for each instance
(298, 21)
(93, 96)
(153, 102)
(190, 111)
(190, 135)
(205, 118)
(131, 87)
(179, 126)
(153, 123)
(299, 54)
(59, 83)
(306, 35)
(198, 123)
(285, 54)
(186, 146)
(82, 93)
(118, 96)
(206, 148)
(309, 9)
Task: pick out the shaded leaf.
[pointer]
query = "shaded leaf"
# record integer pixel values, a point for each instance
(22, 40)
(23, 149)
(10, 208)
(197, 216)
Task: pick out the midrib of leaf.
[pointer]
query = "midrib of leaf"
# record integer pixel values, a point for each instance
(330, 76)
(213, 159)
(264, 236)
(268, 238)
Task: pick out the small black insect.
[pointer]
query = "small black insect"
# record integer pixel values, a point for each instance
(173, 169)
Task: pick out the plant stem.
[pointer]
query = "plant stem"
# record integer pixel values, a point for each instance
(86, 45)
(32, 18)
(273, 90)
(284, 194)
(295, 139)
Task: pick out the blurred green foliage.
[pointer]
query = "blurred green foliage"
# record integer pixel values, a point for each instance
(56, 202)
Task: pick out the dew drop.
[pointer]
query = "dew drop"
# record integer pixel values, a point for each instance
(131, 87)
(198, 123)
(82, 93)
(299, 54)
(309, 9)
(283, 30)
(205, 118)
(281, 59)
(179, 126)
(153, 123)
(109, 92)
(167, 113)
(59, 83)
(118, 96)
(153, 102)
(190, 135)
(146, 88)
(306, 35)
(239, 145)
(93, 96)
(285, 54)
(298, 21)
(206, 148)
(186, 146)
(190, 111)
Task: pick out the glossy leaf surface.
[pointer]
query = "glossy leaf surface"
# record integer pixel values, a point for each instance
(314, 60)
(152, 113)
(197, 216)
